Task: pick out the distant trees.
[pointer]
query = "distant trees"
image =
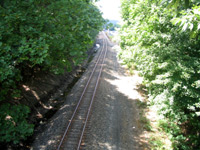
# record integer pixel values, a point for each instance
(112, 26)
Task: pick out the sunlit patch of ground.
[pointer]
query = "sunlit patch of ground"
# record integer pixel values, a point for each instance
(106, 146)
(127, 85)
(132, 87)
(157, 138)
(149, 119)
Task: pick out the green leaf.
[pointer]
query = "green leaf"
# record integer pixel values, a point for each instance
(185, 26)
(191, 26)
(198, 26)
(197, 113)
(175, 21)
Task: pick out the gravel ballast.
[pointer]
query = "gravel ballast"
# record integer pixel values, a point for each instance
(113, 123)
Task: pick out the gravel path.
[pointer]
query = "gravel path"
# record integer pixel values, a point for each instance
(113, 123)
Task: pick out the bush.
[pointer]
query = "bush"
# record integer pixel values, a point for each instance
(13, 124)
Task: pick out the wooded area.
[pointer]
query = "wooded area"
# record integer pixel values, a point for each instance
(160, 38)
(51, 35)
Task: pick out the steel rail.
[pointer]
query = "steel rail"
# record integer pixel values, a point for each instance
(77, 106)
(93, 96)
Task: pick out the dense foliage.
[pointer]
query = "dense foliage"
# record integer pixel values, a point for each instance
(49, 34)
(161, 39)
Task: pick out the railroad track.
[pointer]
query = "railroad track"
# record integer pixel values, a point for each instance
(73, 135)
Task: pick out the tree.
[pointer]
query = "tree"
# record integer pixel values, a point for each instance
(161, 39)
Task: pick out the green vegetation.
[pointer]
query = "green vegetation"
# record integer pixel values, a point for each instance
(14, 126)
(46, 34)
(112, 25)
(161, 40)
